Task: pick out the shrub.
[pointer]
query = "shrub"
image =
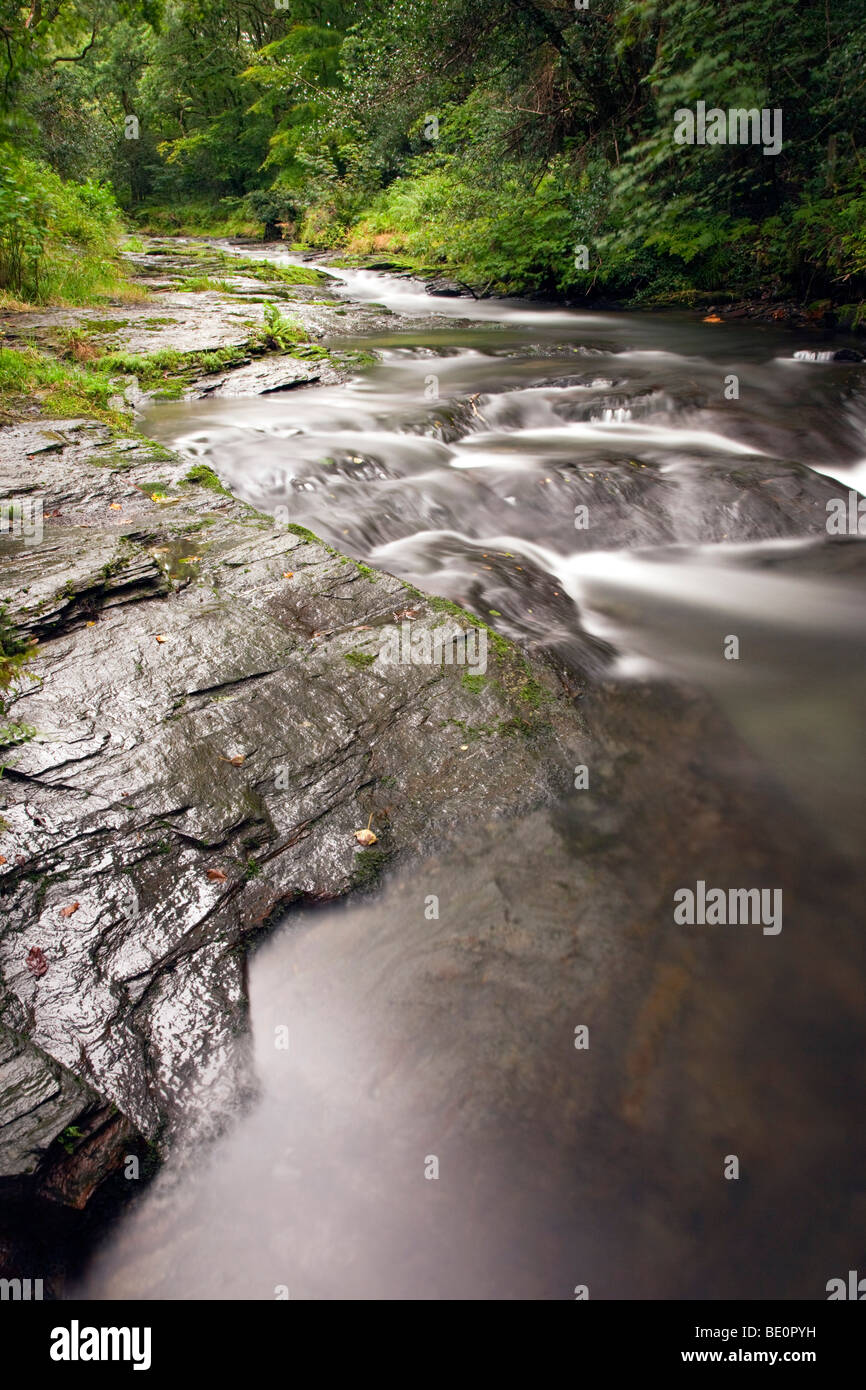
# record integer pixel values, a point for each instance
(57, 240)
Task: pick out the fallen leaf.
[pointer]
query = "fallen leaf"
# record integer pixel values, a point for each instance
(365, 837)
(216, 875)
(159, 637)
(712, 318)
(236, 761)
(91, 624)
(68, 911)
(116, 506)
(2, 858)
(288, 574)
(37, 962)
(189, 559)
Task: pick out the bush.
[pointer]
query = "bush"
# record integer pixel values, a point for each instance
(56, 239)
(277, 208)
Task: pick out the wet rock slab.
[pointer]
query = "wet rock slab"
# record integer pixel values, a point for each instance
(214, 722)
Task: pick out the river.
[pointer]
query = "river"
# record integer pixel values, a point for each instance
(645, 497)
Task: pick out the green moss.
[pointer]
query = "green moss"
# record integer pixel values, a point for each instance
(510, 728)
(532, 693)
(117, 460)
(309, 352)
(368, 867)
(313, 539)
(203, 476)
(275, 274)
(70, 1137)
(102, 325)
(475, 684)
(189, 528)
(360, 659)
(356, 359)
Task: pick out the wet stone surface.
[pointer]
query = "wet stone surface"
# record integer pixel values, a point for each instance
(214, 722)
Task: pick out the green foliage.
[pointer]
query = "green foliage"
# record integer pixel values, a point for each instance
(276, 208)
(69, 1138)
(16, 654)
(56, 238)
(63, 389)
(186, 216)
(277, 331)
(553, 129)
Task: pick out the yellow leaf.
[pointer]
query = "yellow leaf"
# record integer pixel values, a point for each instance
(365, 837)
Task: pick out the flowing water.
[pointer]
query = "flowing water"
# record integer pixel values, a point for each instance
(628, 492)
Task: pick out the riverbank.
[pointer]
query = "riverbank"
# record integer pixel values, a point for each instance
(388, 252)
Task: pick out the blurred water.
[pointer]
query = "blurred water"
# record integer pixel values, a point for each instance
(458, 463)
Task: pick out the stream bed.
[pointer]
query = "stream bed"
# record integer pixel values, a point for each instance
(511, 1073)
